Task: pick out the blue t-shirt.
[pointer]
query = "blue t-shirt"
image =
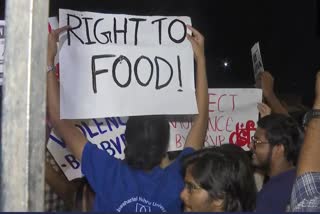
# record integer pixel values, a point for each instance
(120, 188)
(275, 194)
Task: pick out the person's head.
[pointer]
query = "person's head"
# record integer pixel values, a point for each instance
(215, 181)
(245, 176)
(278, 138)
(147, 139)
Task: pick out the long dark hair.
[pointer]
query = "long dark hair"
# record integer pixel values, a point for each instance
(225, 174)
(147, 139)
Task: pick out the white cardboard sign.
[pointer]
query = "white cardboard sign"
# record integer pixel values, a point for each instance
(233, 115)
(106, 133)
(124, 65)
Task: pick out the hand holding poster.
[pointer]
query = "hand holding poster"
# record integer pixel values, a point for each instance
(125, 65)
(256, 60)
(232, 119)
(53, 25)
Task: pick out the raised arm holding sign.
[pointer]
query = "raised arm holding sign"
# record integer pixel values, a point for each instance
(65, 128)
(197, 134)
(151, 188)
(264, 80)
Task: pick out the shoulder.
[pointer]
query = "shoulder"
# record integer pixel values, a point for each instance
(282, 182)
(177, 163)
(306, 188)
(96, 161)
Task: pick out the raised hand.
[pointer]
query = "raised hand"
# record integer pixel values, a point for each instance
(264, 109)
(53, 38)
(197, 42)
(267, 84)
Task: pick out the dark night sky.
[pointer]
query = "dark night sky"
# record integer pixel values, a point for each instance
(288, 32)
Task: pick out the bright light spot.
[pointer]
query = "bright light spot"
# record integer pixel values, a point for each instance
(225, 64)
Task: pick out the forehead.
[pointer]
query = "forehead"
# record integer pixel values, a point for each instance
(189, 177)
(261, 133)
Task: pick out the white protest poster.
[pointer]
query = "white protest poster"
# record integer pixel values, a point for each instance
(124, 65)
(256, 60)
(233, 115)
(2, 49)
(106, 133)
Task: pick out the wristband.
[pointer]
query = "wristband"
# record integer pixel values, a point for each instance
(51, 68)
(314, 113)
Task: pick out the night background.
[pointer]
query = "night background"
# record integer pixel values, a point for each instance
(288, 32)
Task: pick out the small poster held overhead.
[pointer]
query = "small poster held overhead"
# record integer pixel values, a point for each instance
(124, 65)
(256, 60)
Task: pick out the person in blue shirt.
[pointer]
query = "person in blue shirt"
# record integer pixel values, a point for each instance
(275, 147)
(136, 184)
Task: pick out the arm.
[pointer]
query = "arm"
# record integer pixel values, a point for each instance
(309, 159)
(60, 185)
(197, 134)
(272, 100)
(73, 138)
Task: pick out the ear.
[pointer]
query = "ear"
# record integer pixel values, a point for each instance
(217, 205)
(278, 150)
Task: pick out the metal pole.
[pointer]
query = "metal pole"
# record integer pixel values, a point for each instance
(23, 111)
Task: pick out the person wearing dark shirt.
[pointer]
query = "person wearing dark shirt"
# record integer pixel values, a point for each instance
(275, 147)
